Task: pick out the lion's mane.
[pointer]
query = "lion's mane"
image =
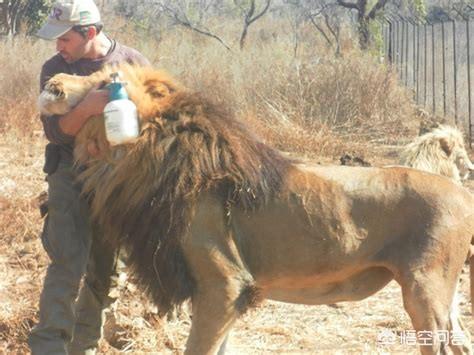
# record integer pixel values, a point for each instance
(145, 197)
(438, 151)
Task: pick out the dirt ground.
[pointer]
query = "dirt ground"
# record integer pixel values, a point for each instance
(273, 328)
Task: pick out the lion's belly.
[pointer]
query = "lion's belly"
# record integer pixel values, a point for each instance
(286, 246)
(352, 288)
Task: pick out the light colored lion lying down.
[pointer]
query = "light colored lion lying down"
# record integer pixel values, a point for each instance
(440, 151)
(209, 212)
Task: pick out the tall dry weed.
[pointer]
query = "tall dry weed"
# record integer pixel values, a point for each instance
(20, 65)
(299, 103)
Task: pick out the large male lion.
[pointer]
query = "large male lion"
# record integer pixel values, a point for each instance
(211, 213)
(440, 151)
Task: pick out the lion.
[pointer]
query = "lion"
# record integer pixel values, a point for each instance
(209, 212)
(440, 151)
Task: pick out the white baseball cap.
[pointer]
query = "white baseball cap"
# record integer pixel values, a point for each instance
(66, 14)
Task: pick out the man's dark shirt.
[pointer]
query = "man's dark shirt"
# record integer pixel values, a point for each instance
(118, 53)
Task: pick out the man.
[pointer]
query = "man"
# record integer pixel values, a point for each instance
(70, 239)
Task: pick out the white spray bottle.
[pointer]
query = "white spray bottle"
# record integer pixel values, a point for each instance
(121, 119)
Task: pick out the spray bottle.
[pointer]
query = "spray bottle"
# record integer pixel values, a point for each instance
(121, 119)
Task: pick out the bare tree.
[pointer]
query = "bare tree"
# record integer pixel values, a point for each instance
(249, 9)
(324, 15)
(192, 14)
(327, 20)
(313, 18)
(180, 12)
(333, 25)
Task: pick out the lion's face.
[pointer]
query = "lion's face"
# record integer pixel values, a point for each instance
(463, 163)
(61, 93)
(440, 150)
(452, 143)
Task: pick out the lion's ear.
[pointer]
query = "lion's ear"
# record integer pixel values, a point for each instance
(446, 146)
(158, 89)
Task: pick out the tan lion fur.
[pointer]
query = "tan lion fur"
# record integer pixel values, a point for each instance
(209, 212)
(439, 151)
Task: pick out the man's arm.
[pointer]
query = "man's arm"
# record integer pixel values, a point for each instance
(92, 105)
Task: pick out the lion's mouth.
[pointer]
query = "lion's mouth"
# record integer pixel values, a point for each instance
(52, 96)
(57, 93)
(46, 99)
(54, 91)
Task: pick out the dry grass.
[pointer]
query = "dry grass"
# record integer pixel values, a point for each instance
(20, 63)
(311, 104)
(314, 105)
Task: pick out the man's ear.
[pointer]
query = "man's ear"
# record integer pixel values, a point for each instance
(91, 32)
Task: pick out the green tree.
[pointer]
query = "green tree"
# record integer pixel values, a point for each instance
(17, 15)
(368, 10)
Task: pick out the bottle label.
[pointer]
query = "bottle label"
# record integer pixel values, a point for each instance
(121, 123)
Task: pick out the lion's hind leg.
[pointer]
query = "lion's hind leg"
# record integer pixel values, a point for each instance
(428, 299)
(461, 339)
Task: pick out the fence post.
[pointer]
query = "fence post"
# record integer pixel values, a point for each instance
(443, 58)
(395, 43)
(418, 63)
(403, 50)
(455, 67)
(469, 82)
(433, 86)
(406, 50)
(414, 57)
(425, 67)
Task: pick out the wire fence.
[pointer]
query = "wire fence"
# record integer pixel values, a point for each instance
(434, 59)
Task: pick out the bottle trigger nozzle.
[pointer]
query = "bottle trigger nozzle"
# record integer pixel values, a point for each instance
(115, 76)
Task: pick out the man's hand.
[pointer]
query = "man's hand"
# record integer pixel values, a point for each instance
(94, 102)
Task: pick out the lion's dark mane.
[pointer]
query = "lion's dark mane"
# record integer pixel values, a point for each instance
(145, 200)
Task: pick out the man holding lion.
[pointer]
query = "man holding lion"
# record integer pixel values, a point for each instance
(73, 243)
